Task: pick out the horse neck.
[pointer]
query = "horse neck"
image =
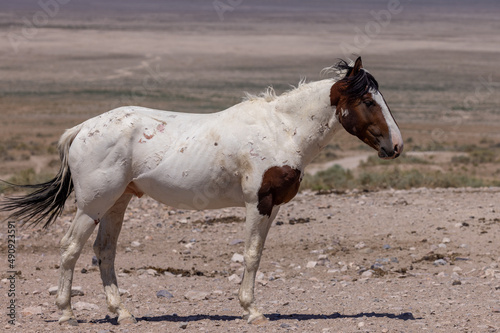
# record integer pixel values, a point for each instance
(308, 113)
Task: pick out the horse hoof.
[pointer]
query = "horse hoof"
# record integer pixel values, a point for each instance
(127, 320)
(258, 320)
(68, 321)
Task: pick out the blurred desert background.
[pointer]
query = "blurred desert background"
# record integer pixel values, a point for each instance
(436, 63)
(407, 245)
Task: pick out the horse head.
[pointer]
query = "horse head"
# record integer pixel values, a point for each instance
(363, 112)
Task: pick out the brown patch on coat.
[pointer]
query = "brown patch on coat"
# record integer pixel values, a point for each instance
(335, 93)
(279, 185)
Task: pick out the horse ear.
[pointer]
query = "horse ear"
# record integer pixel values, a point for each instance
(357, 66)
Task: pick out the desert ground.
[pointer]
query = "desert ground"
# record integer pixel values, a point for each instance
(367, 256)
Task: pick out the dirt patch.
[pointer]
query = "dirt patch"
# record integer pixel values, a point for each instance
(388, 261)
(378, 261)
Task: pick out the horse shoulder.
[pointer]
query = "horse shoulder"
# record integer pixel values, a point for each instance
(279, 185)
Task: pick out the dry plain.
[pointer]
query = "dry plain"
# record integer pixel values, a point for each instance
(370, 258)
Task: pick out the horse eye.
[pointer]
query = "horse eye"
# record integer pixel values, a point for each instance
(369, 103)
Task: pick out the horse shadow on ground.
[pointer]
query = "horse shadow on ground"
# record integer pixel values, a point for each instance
(272, 317)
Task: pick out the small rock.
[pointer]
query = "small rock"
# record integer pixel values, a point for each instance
(77, 291)
(376, 266)
(360, 245)
(152, 272)
(164, 294)
(490, 272)
(400, 201)
(446, 240)
(53, 290)
(361, 324)
(234, 278)
(79, 306)
(333, 271)
(183, 325)
(386, 247)
(237, 258)
(135, 244)
(236, 241)
(311, 264)
(32, 310)
(193, 295)
(456, 283)
(367, 274)
(440, 262)
(217, 292)
(123, 291)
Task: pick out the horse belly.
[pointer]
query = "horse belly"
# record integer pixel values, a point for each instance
(193, 187)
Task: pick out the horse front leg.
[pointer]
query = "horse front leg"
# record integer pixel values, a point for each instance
(105, 250)
(71, 247)
(257, 227)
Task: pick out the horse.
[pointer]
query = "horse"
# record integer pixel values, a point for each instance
(250, 155)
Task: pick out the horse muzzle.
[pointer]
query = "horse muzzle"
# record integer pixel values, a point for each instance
(387, 152)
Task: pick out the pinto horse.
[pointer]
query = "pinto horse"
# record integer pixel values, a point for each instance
(252, 155)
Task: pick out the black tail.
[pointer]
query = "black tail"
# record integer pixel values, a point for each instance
(47, 200)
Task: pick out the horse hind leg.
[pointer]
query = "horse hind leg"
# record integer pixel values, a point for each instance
(87, 217)
(71, 247)
(105, 249)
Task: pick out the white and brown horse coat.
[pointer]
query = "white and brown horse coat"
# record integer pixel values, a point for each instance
(252, 154)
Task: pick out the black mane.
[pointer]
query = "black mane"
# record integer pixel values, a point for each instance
(358, 85)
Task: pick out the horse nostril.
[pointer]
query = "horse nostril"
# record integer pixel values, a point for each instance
(396, 149)
(384, 152)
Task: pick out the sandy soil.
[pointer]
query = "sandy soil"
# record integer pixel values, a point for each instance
(389, 261)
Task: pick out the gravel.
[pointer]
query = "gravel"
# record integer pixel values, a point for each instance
(330, 274)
